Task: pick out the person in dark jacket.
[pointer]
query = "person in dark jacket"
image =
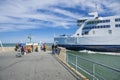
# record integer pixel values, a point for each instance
(22, 50)
(53, 49)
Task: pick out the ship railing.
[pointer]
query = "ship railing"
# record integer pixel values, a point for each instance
(91, 69)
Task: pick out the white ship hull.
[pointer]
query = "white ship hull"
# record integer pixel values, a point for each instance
(104, 44)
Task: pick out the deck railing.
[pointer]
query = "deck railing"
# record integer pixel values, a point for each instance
(91, 69)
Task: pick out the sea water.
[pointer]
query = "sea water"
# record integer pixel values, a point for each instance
(13, 44)
(109, 60)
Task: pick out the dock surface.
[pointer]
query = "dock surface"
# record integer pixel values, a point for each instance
(33, 66)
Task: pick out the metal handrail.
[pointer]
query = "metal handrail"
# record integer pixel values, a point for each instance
(94, 74)
(84, 71)
(114, 69)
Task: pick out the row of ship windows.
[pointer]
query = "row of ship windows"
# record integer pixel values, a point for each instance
(81, 21)
(104, 26)
(95, 27)
(117, 19)
(117, 25)
(100, 21)
(86, 32)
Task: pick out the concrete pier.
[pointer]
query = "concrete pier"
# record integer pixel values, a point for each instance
(33, 66)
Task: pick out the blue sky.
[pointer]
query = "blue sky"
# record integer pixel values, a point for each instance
(44, 18)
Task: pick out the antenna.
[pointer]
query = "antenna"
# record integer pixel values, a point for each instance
(95, 14)
(96, 7)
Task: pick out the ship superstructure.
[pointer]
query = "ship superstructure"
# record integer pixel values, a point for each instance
(96, 34)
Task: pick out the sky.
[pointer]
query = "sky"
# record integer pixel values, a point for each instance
(44, 19)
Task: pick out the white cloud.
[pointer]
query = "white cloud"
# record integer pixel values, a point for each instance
(67, 13)
(26, 9)
(113, 6)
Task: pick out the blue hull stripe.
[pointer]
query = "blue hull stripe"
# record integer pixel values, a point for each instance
(101, 48)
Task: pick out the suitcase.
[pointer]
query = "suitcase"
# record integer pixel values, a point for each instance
(18, 55)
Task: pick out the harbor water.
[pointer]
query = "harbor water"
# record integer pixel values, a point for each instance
(105, 59)
(13, 44)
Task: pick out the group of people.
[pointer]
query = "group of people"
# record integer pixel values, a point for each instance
(27, 49)
(20, 48)
(55, 49)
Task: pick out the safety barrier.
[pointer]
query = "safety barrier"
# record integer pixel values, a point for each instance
(62, 57)
(92, 70)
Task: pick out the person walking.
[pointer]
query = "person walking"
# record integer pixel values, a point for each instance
(44, 47)
(39, 47)
(22, 50)
(16, 47)
(53, 49)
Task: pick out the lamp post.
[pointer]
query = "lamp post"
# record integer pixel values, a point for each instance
(30, 38)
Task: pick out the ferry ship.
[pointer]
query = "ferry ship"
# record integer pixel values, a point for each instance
(95, 34)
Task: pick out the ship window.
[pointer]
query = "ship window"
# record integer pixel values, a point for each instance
(108, 26)
(78, 34)
(117, 19)
(103, 21)
(107, 20)
(117, 25)
(98, 21)
(103, 26)
(85, 33)
(110, 31)
(98, 26)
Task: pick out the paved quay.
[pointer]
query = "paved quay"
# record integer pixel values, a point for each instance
(33, 66)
